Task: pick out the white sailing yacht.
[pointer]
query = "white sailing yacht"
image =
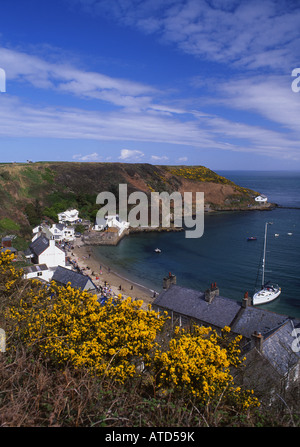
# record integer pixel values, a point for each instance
(268, 291)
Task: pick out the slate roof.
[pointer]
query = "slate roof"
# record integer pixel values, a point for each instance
(77, 280)
(28, 253)
(220, 312)
(38, 246)
(257, 319)
(59, 226)
(35, 268)
(7, 238)
(278, 348)
(11, 249)
(191, 303)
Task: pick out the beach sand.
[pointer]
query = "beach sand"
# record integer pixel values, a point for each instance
(86, 260)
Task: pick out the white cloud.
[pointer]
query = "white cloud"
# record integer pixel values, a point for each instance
(139, 117)
(127, 154)
(159, 158)
(89, 157)
(21, 120)
(269, 96)
(182, 159)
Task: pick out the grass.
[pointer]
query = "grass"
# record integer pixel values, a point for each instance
(34, 394)
(7, 224)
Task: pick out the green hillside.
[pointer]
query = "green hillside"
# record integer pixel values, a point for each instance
(32, 191)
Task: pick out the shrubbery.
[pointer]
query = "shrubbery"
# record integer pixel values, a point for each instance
(67, 331)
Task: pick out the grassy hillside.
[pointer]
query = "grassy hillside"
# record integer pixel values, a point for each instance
(31, 191)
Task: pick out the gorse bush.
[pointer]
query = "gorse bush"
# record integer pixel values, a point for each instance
(200, 363)
(69, 326)
(117, 341)
(9, 275)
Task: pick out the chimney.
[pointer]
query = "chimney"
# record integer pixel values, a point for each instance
(246, 300)
(257, 339)
(212, 292)
(169, 280)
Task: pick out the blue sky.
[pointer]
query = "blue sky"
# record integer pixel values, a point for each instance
(154, 81)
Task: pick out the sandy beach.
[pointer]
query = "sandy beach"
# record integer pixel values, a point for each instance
(100, 273)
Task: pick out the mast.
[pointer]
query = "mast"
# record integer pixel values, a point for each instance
(264, 258)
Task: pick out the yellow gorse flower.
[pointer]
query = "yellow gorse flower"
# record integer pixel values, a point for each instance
(9, 274)
(197, 362)
(69, 327)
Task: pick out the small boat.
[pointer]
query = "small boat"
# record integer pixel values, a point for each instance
(276, 234)
(268, 292)
(290, 234)
(157, 250)
(251, 238)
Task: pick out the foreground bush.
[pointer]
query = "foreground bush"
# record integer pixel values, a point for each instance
(199, 362)
(70, 327)
(114, 346)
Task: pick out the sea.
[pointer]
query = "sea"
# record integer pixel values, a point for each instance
(223, 254)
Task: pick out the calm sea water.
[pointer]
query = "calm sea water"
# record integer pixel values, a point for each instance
(223, 254)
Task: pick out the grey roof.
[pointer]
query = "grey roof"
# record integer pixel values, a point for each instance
(220, 312)
(39, 245)
(59, 226)
(77, 280)
(12, 249)
(35, 268)
(257, 319)
(8, 238)
(278, 348)
(28, 253)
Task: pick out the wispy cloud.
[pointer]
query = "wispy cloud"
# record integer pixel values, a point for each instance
(240, 32)
(66, 78)
(271, 97)
(209, 132)
(141, 113)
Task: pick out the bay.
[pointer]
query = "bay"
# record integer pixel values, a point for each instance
(223, 254)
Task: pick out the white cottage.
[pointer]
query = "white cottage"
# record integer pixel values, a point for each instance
(261, 199)
(45, 251)
(70, 216)
(39, 271)
(60, 232)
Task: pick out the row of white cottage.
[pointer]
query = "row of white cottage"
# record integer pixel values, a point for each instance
(46, 256)
(50, 263)
(49, 259)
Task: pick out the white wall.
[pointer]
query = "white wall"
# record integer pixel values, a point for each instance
(46, 275)
(53, 256)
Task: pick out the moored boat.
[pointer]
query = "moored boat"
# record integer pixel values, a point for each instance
(268, 292)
